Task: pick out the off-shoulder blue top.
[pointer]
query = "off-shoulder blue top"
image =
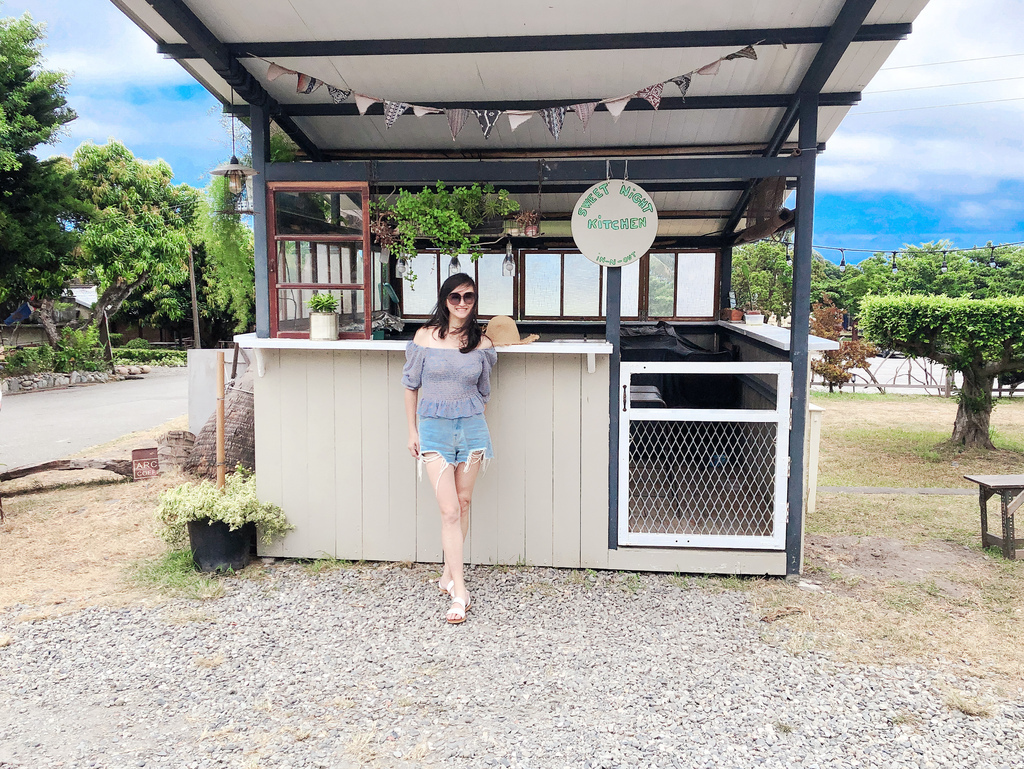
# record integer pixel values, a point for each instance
(452, 384)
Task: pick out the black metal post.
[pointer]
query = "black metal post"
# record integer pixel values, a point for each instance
(260, 128)
(802, 256)
(725, 278)
(613, 325)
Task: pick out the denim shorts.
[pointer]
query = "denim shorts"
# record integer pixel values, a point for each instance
(455, 439)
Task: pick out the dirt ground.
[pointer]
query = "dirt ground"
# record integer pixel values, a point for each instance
(888, 578)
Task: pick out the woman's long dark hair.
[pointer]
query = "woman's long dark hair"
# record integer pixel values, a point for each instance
(440, 316)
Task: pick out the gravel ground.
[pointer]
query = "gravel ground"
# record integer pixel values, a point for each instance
(356, 668)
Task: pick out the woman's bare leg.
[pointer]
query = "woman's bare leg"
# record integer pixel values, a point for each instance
(465, 480)
(442, 476)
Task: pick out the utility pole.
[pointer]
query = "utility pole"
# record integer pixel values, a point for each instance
(197, 343)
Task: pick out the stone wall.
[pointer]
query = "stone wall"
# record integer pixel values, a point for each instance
(51, 380)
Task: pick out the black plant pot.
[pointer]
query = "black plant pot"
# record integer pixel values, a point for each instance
(217, 548)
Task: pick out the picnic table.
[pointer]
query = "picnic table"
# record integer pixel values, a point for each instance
(1010, 489)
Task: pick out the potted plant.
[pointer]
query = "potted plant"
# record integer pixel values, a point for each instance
(732, 314)
(220, 523)
(323, 317)
(529, 223)
(752, 315)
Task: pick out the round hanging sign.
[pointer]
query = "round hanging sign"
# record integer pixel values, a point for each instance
(614, 223)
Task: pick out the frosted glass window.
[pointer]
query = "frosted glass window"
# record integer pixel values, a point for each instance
(630, 305)
(582, 281)
(661, 286)
(419, 296)
(695, 285)
(494, 289)
(543, 284)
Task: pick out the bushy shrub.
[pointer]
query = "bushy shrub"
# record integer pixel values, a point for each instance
(137, 344)
(79, 351)
(28, 360)
(126, 356)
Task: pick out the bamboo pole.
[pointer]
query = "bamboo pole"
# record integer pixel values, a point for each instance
(220, 420)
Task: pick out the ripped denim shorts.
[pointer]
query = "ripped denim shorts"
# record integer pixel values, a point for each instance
(455, 439)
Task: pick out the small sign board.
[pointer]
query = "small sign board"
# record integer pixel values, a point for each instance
(145, 464)
(614, 223)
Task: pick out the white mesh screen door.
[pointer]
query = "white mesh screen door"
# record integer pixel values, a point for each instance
(704, 477)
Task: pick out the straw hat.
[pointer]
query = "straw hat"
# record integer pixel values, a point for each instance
(502, 331)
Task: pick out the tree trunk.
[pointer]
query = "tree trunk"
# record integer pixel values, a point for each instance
(45, 316)
(971, 428)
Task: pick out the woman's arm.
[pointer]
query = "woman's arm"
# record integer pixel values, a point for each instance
(411, 398)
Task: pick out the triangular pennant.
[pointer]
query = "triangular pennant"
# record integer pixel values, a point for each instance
(363, 102)
(517, 117)
(456, 119)
(307, 83)
(487, 118)
(652, 94)
(743, 53)
(553, 117)
(338, 95)
(710, 69)
(584, 110)
(276, 70)
(683, 82)
(615, 106)
(393, 110)
(421, 111)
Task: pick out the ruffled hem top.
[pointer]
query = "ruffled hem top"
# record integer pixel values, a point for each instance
(452, 384)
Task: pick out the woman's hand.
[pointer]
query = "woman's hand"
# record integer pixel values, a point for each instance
(414, 445)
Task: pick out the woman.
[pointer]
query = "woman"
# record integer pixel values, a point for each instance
(447, 379)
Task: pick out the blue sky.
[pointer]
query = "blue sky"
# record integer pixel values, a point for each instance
(897, 171)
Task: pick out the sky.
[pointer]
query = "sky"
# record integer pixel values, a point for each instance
(905, 167)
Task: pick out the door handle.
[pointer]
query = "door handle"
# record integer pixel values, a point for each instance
(625, 388)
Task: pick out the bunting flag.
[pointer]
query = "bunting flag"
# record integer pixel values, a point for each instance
(516, 117)
(584, 110)
(456, 119)
(276, 70)
(421, 111)
(393, 110)
(683, 82)
(651, 94)
(307, 83)
(487, 118)
(710, 69)
(743, 53)
(363, 102)
(553, 117)
(338, 95)
(615, 106)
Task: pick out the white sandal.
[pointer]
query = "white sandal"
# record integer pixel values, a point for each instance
(460, 614)
(446, 590)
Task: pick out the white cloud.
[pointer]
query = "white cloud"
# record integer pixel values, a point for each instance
(888, 144)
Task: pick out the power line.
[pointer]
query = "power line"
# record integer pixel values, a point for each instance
(947, 85)
(953, 61)
(936, 106)
(904, 251)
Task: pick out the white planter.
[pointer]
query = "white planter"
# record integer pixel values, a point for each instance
(323, 326)
(753, 318)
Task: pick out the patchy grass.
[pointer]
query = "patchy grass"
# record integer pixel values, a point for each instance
(174, 575)
(914, 518)
(902, 441)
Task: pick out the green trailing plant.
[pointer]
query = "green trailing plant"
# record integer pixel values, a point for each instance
(237, 505)
(979, 338)
(322, 303)
(442, 215)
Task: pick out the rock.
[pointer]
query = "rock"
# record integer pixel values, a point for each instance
(145, 369)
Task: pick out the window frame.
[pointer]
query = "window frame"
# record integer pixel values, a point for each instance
(273, 246)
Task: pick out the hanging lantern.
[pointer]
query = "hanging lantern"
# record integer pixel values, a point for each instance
(508, 265)
(236, 173)
(400, 269)
(789, 257)
(894, 268)
(992, 258)
(943, 268)
(454, 268)
(842, 260)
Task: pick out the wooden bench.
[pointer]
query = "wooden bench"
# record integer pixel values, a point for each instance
(1010, 489)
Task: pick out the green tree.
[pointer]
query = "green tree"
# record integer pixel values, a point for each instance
(229, 272)
(761, 278)
(980, 338)
(143, 225)
(40, 214)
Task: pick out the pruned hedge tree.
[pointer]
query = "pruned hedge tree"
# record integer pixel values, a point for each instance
(980, 338)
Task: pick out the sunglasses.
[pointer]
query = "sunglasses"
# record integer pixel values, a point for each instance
(456, 298)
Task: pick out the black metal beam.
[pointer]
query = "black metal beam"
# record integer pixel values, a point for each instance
(207, 47)
(554, 188)
(537, 43)
(525, 171)
(260, 127)
(843, 31)
(668, 104)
